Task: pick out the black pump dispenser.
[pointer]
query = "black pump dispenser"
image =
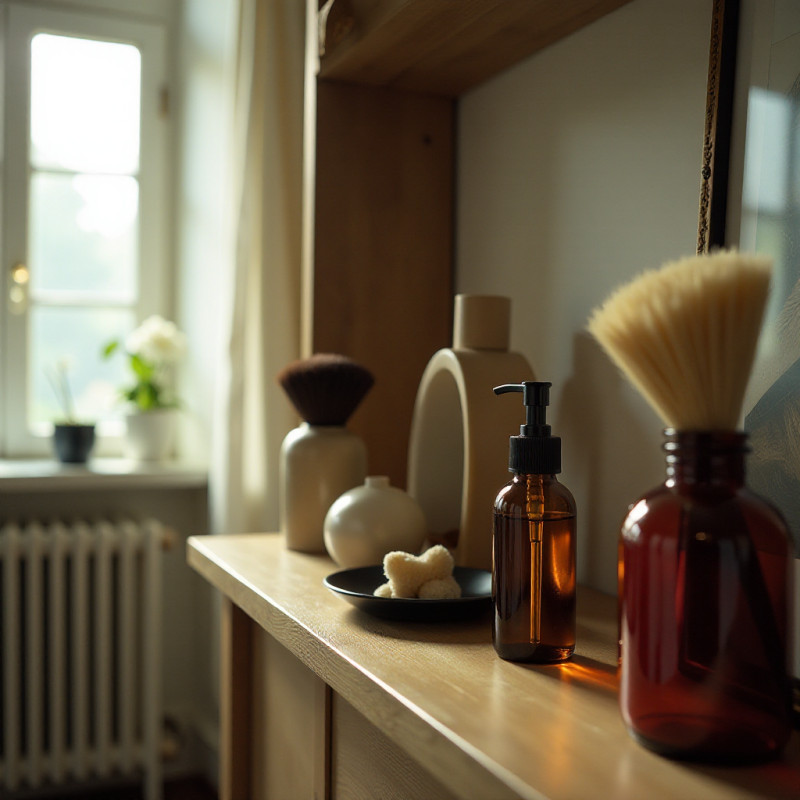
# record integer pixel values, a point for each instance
(535, 451)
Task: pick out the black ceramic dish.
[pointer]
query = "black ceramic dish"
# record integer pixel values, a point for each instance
(356, 586)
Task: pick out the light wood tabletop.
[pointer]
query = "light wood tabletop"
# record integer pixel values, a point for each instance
(484, 727)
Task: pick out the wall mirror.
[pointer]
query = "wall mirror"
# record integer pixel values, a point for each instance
(751, 199)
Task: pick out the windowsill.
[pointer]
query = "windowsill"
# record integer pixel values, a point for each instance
(39, 475)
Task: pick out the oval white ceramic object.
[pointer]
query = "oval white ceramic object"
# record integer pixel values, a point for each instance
(371, 520)
(458, 445)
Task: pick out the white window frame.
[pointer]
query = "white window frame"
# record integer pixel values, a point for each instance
(19, 24)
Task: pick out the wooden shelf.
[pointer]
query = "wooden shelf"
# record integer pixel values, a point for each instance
(482, 727)
(444, 47)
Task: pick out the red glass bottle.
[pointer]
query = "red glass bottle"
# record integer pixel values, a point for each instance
(706, 587)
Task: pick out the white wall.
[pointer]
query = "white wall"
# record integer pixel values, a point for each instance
(577, 169)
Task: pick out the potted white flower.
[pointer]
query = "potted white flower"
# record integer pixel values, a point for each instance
(152, 350)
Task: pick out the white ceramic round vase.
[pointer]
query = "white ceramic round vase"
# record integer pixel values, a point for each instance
(371, 520)
(318, 463)
(150, 435)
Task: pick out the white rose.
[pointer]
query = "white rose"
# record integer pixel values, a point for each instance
(157, 340)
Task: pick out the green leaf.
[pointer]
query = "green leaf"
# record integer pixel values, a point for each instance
(141, 368)
(110, 348)
(146, 396)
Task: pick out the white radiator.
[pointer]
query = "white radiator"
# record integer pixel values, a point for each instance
(80, 687)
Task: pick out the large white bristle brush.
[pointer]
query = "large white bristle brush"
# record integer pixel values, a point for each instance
(685, 335)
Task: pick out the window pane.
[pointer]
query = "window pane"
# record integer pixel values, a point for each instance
(71, 340)
(83, 235)
(85, 98)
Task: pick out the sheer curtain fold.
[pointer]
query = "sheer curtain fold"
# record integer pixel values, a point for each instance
(263, 317)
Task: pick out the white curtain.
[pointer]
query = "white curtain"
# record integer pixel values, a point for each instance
(263, 318)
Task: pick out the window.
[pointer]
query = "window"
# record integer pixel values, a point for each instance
(84, 206)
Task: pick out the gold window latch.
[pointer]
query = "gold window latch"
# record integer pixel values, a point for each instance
(18, 281)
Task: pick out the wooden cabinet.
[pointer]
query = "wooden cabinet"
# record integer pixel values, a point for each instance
(320, 700)
(381, 164)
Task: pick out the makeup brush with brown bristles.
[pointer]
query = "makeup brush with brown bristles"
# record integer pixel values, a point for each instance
(321, 459)
(325, 388)
(685, 335)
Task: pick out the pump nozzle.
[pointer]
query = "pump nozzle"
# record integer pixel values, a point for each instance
(535, 398)
(534, 450)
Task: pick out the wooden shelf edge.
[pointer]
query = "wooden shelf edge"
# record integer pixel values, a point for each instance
(427, 46)
(440, 693)
(402, 721)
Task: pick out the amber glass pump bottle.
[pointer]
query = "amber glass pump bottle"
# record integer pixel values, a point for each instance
(533, 564)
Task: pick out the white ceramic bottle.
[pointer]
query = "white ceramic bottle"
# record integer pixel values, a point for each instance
(318, 464)
(320, 459)
(371, 520)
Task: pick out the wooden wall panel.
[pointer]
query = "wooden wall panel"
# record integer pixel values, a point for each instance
(290, 728)
(366, 764)
(383, 250)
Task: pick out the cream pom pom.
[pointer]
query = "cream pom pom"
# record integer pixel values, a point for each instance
(407, 573)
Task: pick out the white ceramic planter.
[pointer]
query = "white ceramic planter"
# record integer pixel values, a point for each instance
(371, 520)
(150, 435)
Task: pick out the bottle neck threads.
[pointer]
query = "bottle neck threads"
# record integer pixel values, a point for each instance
(715, 458)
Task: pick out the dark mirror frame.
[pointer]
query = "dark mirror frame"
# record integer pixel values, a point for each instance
(718, 125)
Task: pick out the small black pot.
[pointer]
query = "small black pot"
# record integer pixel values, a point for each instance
(73, 443)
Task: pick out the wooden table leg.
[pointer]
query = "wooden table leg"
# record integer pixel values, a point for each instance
(236, 723)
